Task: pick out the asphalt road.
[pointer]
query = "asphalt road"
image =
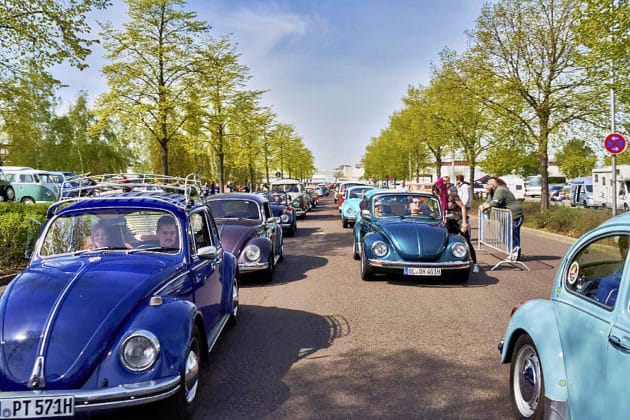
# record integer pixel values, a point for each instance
(318, 342)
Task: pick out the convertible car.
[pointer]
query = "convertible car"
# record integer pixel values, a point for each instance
(249, 231)
(569, 355)
(122, 300)
(404, 233)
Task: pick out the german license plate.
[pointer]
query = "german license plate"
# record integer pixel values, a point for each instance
(30, 408)
(423, 271)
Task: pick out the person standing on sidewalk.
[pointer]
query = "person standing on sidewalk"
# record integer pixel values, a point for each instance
(501, 197)
(463, 190)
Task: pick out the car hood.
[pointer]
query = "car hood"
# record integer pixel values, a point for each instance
(234, 235)
(69, 311)
(415, 240)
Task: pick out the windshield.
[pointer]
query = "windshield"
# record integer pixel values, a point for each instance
(235, 209)
(118, 229)
(413, 205)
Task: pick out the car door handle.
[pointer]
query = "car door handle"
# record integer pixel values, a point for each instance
(616, 342)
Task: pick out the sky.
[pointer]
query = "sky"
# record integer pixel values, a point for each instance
(334, 69)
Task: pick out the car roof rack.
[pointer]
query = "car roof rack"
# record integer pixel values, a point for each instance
(89, 185)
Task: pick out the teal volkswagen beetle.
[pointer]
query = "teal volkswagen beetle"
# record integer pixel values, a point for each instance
(350, 208)
(570, 355)
(403, 233)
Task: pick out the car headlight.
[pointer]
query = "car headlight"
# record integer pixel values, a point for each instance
(296, 203)
(252, 252)
(139, 351)
(351, 213)
(459, 250)
(284, 218)
(379, 248)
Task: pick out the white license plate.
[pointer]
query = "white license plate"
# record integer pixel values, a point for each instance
(423, 271)
(29, 408)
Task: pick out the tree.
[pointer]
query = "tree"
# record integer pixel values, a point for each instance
(153, 70)
(36, 35)
(523, 66)
(220, 84)
(576, 159)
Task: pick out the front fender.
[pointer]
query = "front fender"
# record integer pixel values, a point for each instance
(537, 319)
(171, 322)
(262, 242)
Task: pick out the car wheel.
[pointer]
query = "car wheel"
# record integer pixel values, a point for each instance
(344, 223)
(268, 273)
(10, 194)
(367, 273)
(355, 251)
(527, 387)
(625, 206)
(28, 200)
(584, 204)
(281, 254)
(292, 230)
(183, 404)
(235, 301)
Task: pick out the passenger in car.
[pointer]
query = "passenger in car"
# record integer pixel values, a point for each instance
(609, 285)
(167, 232)
(382, 210)
(101, 236)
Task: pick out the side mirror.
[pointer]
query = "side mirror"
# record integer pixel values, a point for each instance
(207, 252)
(365, 213)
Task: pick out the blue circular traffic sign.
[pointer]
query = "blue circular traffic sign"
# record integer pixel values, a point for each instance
(615, 143)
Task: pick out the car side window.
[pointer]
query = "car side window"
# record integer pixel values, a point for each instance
(200, 233)
(597, 269)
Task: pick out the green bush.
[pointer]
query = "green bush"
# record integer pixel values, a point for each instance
(565, 220)
(19, 224)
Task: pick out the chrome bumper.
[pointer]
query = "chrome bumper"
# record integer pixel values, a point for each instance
(400, 265)
(251, 267)
(121, 396)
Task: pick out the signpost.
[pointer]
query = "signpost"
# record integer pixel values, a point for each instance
(614, 144)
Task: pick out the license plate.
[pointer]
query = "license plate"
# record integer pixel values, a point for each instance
(30, 408)
(423, 271)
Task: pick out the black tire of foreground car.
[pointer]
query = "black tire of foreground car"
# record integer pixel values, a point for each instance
(367, 273)
(235, 302)
(527, 388)
(182, 405)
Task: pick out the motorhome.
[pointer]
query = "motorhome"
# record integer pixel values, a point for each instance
(516, 185)
(533, 184)
(581, 192)
(603, 187)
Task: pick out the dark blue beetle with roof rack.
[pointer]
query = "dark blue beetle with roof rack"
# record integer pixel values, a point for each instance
(122, 301)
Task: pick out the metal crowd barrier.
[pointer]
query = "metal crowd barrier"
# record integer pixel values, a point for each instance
(495, 231)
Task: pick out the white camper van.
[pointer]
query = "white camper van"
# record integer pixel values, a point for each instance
(603, 190)
(516, 184)
(581, 192)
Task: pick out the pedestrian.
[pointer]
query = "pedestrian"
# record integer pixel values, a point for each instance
(463, 190)
(451, 187)
(501, 197)
(457, 219)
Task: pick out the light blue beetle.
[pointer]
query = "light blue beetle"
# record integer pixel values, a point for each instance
(350, 211)
(570, 355)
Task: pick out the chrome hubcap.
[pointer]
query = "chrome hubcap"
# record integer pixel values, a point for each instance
(191, 377)
(527, 381)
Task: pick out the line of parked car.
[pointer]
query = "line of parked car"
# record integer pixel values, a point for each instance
(154, 269)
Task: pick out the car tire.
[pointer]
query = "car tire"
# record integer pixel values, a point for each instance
(9, 194)
(183, 404)
(235, 302)
(344, 222)
(527, 388)
(28, 200)
(367, 273)
(267, 275)
(292, 229)
(355, 251)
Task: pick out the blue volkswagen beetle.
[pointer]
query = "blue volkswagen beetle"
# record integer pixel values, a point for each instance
(121, 302)
(404, 233)
(281, 207)
(569, 355)
(350, 207)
